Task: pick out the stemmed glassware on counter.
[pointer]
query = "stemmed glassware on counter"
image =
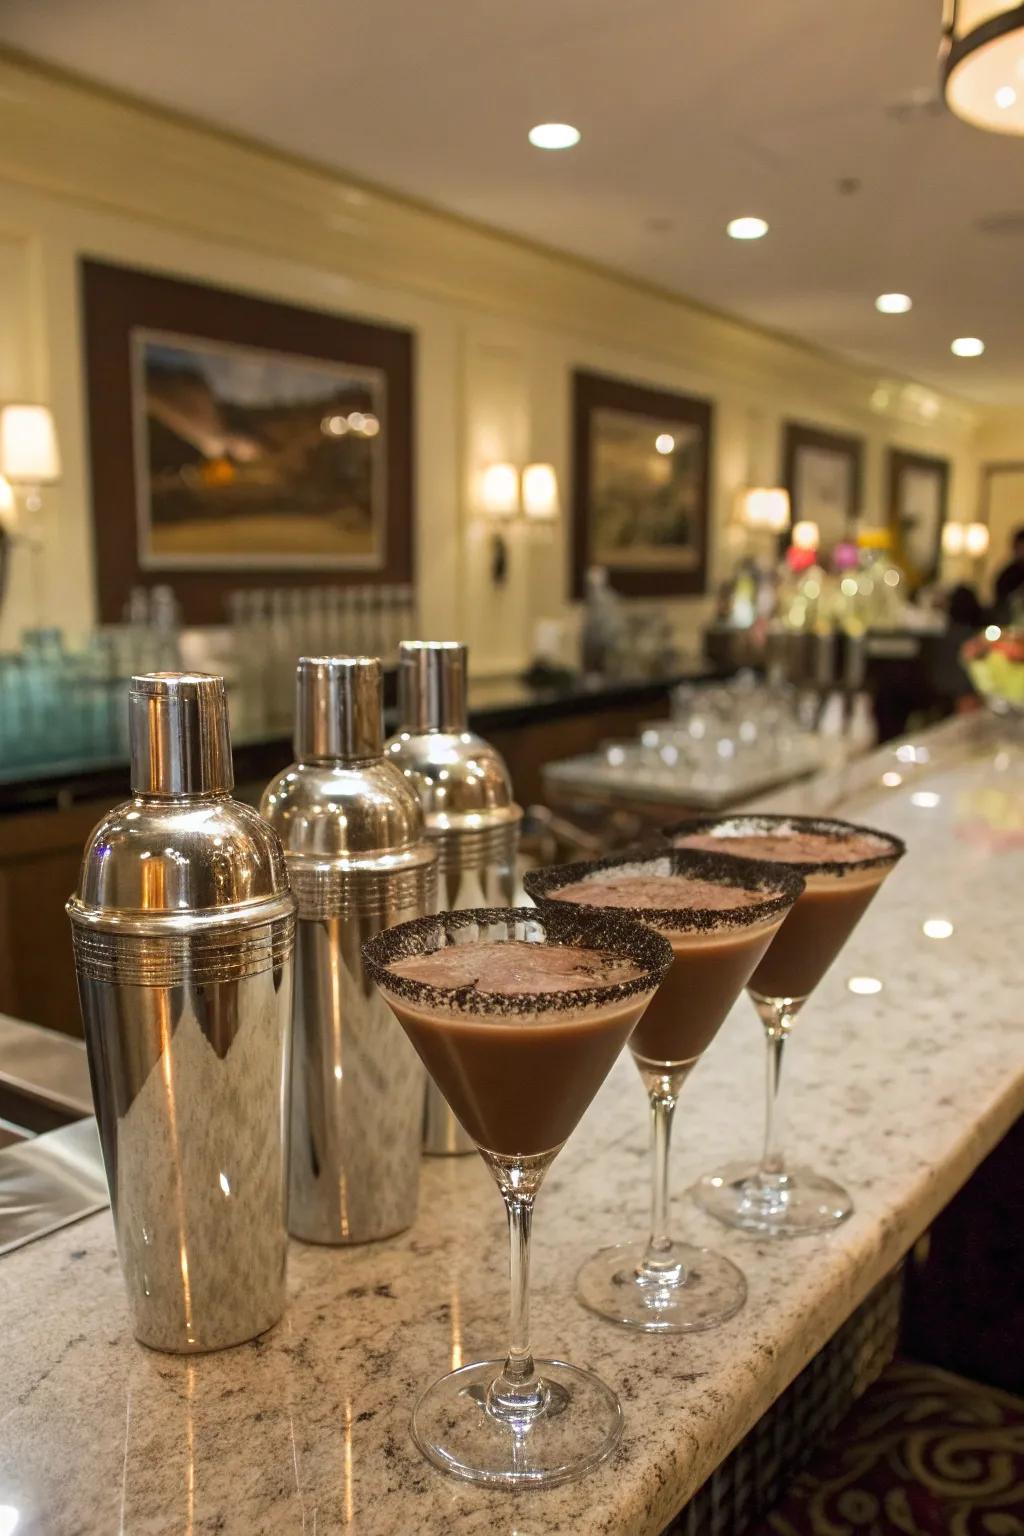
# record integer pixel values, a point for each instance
(843, 866)
(518, 1015)
(719, 915)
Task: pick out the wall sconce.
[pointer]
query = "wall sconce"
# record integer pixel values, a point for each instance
(952, 538)
(805, 535)
(540, 492)
(505, 494)
(976, 540)
(29, 457)
(499, 490)
(765, 509)
(29, 460)
(8, 509)
(970, 539)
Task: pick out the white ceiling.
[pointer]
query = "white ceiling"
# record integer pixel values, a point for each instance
(692, 111)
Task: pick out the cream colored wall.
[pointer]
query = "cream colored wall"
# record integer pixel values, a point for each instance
(499, 327)
(1000, 437)
(1000, 445)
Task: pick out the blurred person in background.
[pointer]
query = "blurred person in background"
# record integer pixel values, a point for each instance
(965, 616)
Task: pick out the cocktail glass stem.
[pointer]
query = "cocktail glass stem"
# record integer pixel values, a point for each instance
(778, 1015)
(659, 1263)
(518, 1394)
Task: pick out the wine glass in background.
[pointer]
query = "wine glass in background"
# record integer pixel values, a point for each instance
(843, 866)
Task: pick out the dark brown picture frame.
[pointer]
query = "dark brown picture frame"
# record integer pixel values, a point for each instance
(900, 460)
(798, 436)
(117, 301)
(592, 392)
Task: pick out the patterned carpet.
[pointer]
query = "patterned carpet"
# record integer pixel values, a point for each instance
(924, 1453)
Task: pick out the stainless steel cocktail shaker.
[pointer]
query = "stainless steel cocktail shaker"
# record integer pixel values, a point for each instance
(466, 795)
(358, 862)
(184, 931)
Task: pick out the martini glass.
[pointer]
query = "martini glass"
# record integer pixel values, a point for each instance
(843, 866)
(518, 1016)
(719, 915)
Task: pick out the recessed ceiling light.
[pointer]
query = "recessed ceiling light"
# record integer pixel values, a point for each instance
(664, 442)
(967, 346)
(1006, 96)
(937, 928)
(893, 303)
(554, 136)
(864, 986)
(746, 228)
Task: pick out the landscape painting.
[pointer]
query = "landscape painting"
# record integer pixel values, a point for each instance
(238, 442)
(646, 485)
(247, 457)
(918, 496)
(823, 478)
(641, 490)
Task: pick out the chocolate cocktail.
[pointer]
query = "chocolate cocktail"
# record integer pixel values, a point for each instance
(719, 916)
(843, 866)
(518, 1016)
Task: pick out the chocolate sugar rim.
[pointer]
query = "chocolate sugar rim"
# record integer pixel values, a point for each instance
(770, 821)
(616, 937)
(721, 869)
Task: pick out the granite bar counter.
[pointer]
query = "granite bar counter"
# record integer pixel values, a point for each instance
(900, 1095)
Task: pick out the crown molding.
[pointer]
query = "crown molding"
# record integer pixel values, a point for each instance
(99, 149)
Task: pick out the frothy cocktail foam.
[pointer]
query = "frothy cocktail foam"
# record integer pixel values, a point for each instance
(611, 888)
(517, 967)
(798, 845)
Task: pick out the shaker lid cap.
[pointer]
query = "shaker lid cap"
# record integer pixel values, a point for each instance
(432, 676)
(178, 734)
(338, 709)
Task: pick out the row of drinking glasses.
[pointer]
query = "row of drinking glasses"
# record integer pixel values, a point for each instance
(273, 627)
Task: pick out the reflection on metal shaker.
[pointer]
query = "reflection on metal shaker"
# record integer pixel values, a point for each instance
(184, 931)
(466, 794)
(352, 831)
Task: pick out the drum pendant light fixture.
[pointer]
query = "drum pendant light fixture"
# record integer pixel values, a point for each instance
(982, 63)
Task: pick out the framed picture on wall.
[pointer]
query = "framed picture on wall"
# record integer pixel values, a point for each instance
(823, 476)
(641, 472)
(239, 442)
(918, 497)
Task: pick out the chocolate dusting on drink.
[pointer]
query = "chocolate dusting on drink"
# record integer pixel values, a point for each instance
(725, 828)
(515, 965)
(779, 885)
(610, 939)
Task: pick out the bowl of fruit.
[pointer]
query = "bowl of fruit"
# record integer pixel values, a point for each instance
(994, 661)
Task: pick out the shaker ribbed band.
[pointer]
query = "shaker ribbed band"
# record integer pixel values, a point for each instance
(461, 848)
(325, 891)
(198, 958)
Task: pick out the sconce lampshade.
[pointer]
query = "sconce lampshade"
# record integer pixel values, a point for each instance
(499, 490)
(976, 539)
(982, 51)
(28, 445)
(806, 535)
(540, 491)
(953, 538)
(766, 507)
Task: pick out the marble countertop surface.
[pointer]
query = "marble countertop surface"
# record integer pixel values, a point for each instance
(305, 1432)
